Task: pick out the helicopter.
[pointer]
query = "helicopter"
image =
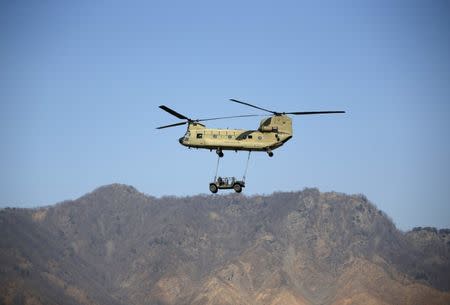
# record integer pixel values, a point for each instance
(272, 133)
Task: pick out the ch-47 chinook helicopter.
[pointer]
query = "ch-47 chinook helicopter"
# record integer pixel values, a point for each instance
(272, 133)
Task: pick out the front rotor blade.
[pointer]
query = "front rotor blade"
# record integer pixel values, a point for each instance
(229, 117)
(171, 125)
(174, 113)
(250, 105)
(312, 112)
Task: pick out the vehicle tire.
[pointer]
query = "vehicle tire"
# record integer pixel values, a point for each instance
(237, 188)
(213, 188)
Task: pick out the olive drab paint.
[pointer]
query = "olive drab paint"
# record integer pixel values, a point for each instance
(272, 133)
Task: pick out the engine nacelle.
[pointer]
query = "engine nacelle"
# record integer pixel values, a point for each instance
(268, 128)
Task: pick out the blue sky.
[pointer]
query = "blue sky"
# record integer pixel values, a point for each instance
(81, 81)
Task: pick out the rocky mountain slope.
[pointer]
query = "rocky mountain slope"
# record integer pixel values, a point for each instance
(119, 246)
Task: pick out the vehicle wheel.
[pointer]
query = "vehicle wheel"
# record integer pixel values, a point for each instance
(213, 188)
(237, 188)
(270, 154)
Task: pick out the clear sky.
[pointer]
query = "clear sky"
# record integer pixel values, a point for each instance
(80, 83)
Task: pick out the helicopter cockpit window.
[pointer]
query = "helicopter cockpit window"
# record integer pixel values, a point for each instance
(199, 135)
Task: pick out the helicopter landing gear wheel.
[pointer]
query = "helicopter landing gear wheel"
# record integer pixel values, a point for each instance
(270, 153)
(237, 188)
(213, 188)
(219, 153)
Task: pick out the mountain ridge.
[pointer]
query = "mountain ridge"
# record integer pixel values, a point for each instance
(116, 245)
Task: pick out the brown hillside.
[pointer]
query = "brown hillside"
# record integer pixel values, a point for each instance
(119, 246)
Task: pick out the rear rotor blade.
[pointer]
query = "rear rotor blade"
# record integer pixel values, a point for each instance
(250, 105)
(312, 112)
(174, 113)
(171, 125)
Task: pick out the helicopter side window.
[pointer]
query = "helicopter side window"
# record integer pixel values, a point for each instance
(229, 137)
(215, 136)
(199, 135)
(250, 136)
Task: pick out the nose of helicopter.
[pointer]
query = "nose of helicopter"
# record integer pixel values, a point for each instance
(180, 140)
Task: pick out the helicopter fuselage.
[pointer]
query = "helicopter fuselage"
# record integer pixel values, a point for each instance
(272, 133)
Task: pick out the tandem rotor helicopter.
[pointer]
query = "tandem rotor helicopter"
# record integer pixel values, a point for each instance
(271, 134)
